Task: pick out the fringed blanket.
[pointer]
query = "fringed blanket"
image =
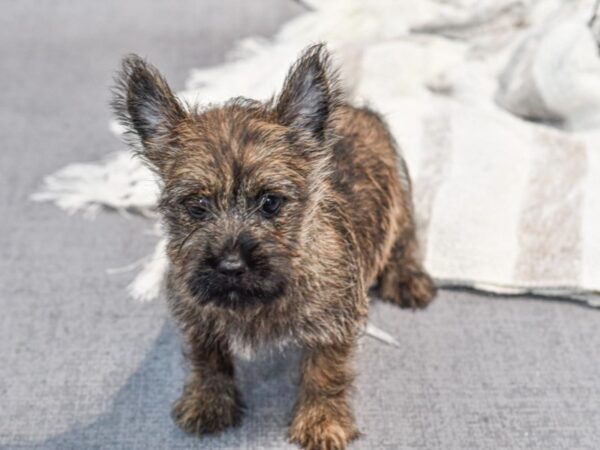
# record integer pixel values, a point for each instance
(495, 105)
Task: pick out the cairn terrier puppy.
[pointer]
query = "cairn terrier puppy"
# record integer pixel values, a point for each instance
(280, 217)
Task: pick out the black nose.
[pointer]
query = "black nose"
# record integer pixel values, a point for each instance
(231, 264)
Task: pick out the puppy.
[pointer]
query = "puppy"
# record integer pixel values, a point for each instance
(280, 216)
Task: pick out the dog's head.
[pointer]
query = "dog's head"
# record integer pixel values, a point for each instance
(239, 180)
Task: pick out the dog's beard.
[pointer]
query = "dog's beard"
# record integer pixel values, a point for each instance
(261, 286)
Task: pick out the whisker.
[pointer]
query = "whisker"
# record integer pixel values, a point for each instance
(254, 209)
(185, 239)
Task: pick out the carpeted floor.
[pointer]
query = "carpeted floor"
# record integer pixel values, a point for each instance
(83, 366)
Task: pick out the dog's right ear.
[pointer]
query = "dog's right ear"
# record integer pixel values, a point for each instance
(146, 106)
(310, 93)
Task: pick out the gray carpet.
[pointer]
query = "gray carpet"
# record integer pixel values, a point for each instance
(83, 366)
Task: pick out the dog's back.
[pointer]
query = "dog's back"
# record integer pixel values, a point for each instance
(366, 176)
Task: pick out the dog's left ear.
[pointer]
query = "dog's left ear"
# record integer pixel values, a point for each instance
(310, 93)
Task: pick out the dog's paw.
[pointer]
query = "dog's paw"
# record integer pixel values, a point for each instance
(322, 432)
(208, 411)
(417, 292)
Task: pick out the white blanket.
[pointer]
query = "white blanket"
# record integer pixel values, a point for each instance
(504, 204)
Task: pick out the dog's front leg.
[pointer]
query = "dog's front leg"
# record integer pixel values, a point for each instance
(323, 417)
(210, 401)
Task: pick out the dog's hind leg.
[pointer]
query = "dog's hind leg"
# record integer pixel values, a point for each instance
(403, 280)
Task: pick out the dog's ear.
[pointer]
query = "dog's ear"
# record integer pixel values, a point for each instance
(146, 106)
(310, 93)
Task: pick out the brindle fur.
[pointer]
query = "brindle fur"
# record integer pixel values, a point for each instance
(346, 223)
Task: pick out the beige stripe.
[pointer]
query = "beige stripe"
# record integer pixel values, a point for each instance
(590, 277)
(550, 223)
(436, 153)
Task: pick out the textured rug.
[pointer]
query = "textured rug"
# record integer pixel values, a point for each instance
(495, 105)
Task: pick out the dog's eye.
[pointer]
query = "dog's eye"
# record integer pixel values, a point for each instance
(270, 205)
(196, 207)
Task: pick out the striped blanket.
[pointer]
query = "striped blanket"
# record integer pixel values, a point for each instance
(507, 207)
(504, 203)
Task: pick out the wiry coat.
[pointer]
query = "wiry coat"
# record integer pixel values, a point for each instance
(342, 222)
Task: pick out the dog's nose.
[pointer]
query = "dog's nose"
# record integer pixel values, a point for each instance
(231, 264)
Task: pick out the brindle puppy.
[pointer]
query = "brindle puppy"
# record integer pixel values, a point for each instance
(280, 216)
